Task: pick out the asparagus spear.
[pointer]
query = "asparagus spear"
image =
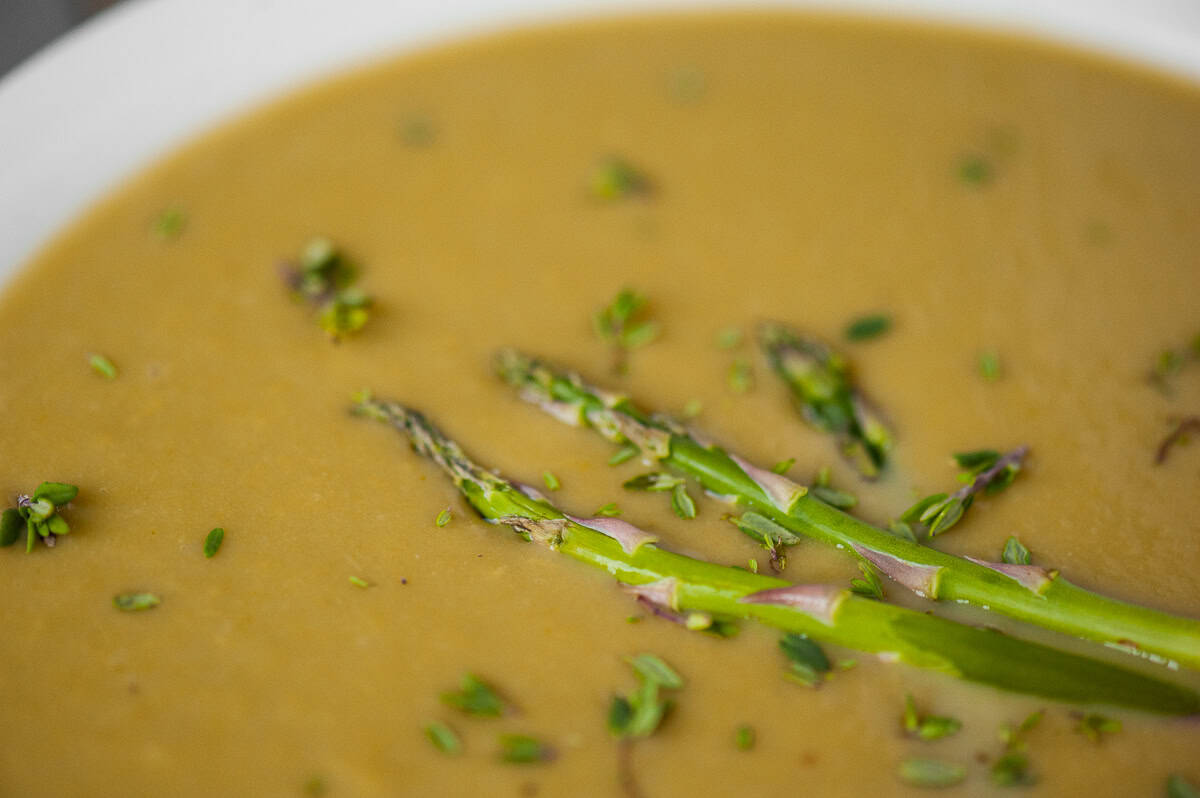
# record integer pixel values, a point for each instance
(819, 379)
(686, 585)
(1026, 592)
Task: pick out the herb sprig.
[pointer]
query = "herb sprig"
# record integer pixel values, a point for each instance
(640, 713)
(38, 515)
(618, 324)
(927, 727)
(324, 278)
(984, 471)
(660, 482)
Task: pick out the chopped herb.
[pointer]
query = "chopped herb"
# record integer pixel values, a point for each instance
(358, 581)
(741, 375)
(615, 178)
(475, 697)
(1179, 787)
(615, 324)
(686, 85)
(729, 338)
(1011, 770)
(931, 773)
(1094, 726)
(744, 738)
(868, 327)
(823, 477)
(610, 510)
(102, 366)
(1179, 436)
(869, 585)
(38, 515)
(835, 498)
(693, 408)
(976, 170)
(417, 130)
(902, 530)
(808, 662)
(682, 503)
(639, 714)
(752, 565)
(443, 738)
(521, 749)
(1015, 553)
(443, 518)
(823, 390)
(625, 453)
(653, 481)
(783, 466)
(930, 727)
(551, 481)
(132, 602)
(212, 542)
(989, 366)
(170, 223)
(323, 277)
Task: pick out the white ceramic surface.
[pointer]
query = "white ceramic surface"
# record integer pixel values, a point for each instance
(134, 83)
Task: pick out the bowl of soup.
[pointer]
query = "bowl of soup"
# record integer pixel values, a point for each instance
(1012, 191)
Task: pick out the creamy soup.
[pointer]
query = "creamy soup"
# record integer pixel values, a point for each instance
(1027, 218)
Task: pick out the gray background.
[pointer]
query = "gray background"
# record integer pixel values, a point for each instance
(28, 25)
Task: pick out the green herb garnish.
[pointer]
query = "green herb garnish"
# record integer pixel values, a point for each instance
(358, 581)
(658, 481)
(170, 223)
(824, 392)
(102, 366)
(617, 326)
(133, 602)
(1178, 436)
(521, 749)
(989, 366)
(931, 773)
(729, 338)
(1179, 787)
(740, 376)
(38, 515)
(976, 170)
(1012, 768)
(868, 327)
(551, 481)
(808, 663)
(443, 738)
(475, 697)
(610, 510)
(212, 542)
(1094, 726)
(624, 454)
(615, 178)
(1015, 553)
(744, 737)
(443, 518)
(869, 585)
(985, 471)
(323, 277)
(417, 130)
(783, 466)
(927, 727)
(640, 713)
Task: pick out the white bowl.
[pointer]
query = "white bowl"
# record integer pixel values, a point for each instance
(122, 90)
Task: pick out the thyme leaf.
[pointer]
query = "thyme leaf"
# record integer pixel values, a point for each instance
(808, 663)
(551, 481)
(865, 328)
(617, 325)
(640, 713)
(869, 585)
(102, 366)
(443, 518)
(1178, 436)
(931, 773)
(38, 514)
(1179, 787)
(614, 178)
(521, 749)
(134, 602)
(1094, 726)
(1015, 553)
(927, 727)
(323, 277)
(443, 738)
(744, 737)
(212, 542)
(475, 697)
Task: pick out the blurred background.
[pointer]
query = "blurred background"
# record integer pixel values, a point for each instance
(27, 25)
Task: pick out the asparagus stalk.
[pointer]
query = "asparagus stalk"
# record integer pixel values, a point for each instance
(1026, 592)
(686, 585)
(819, 379)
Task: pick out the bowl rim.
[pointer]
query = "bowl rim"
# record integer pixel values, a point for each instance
(67, 139)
